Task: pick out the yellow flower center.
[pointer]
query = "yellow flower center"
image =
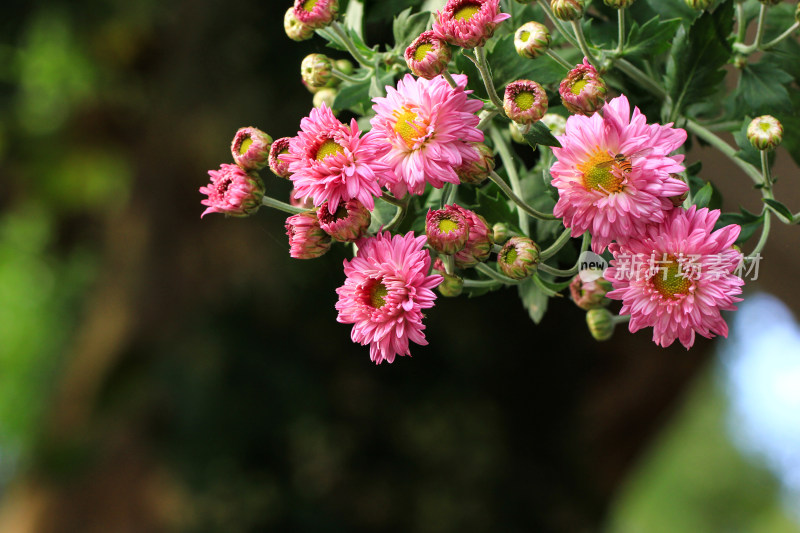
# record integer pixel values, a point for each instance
(669, 280)
(765, 126)
(406, 127)
(525, 100)
(447, 226)
(284, 151)
(377, 295)
(466, 12)
(308, 5)
(421, 51)
(578, 86)
(598, 175)
(329, 147)
(246, 142)
(523, 36)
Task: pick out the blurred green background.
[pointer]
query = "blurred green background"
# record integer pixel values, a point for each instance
(162, 373)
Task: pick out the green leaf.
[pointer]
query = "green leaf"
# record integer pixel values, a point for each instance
(781, 210)
(539, 133)
(673, 9)
(493, 206)
(381, 215)
(377, 86)
(703, 196)
(651, 39)
(749, 222)
(533, 299)
(694, 68)
(354, 16)
(351, 95)
(762, 89)
(507, 65)
(407, 27)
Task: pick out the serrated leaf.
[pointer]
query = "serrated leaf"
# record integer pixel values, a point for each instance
(762, 89)
(493, 205)
(671, 10)
(407, 27)
(694, 69)
(351, 95)
(779, 209)
(533, 299)
(749, 222)
(651, 39)
(381, 215)
(377, 86)
(539, 133)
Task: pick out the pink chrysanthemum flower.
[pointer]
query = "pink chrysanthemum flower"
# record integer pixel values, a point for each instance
(307, 240)
(386, 289)
(316, 13)
(425, 127)
(468, 23)
(678, 277)
(330, 161)
(232, 191)
(427, 56)
(613, 173)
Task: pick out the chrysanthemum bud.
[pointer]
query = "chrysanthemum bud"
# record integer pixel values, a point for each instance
(326, 96)
(765, 132)
(451, 285)
(583, 91)
(447, 229)
(479, 244)
(516, 132)
(348, 223)
(232, 191)
(278, 148)
(532, 39)
(677, 201)
(316, 69)
(618, 4)
(770, 2)
(525, 101)
(316, 13)
(468, 23)
(296, 30)
(567, 9)
(427, 56)
(519, 258)
(306, 238)
(500, 232)
(250, 148)
(699, 4)
(556, 123)
(590, 294)
(601, 324)
(476, 171)
(344, 66)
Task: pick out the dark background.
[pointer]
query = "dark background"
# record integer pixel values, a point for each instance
(165, 373)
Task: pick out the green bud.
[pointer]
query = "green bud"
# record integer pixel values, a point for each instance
(618, 4)
(699, 4)
(532, 39)
(567, 9)
(451, 286)
(316, 69)
(601, 324)
(500, 232)
(296, 30)
(765, 132)
(344, 66)
(519, 258)
(325, 95)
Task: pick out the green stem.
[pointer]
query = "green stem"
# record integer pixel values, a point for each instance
(723, 147)
(741, 25)
(556, 246)
(777, 40)
(766, 192)
(398, 217)
(344, 77)
(517, 200)
(766, 171)
(449, 264)
(762, 241)
(495, 275)
(640, 77)
(582, 44)
(762, 17)
(486, 119)
(622, 319)
(558, 59)
(558, 272)
(621, 32)
(483, 67)
(557, 23)
(389, 199)
(282, 206)
(724, 126)
(482, 283)
(508, 162)
(449, 79)
(349, 44)
(448, 194)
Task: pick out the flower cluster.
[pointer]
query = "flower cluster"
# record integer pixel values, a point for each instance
(428, 155)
